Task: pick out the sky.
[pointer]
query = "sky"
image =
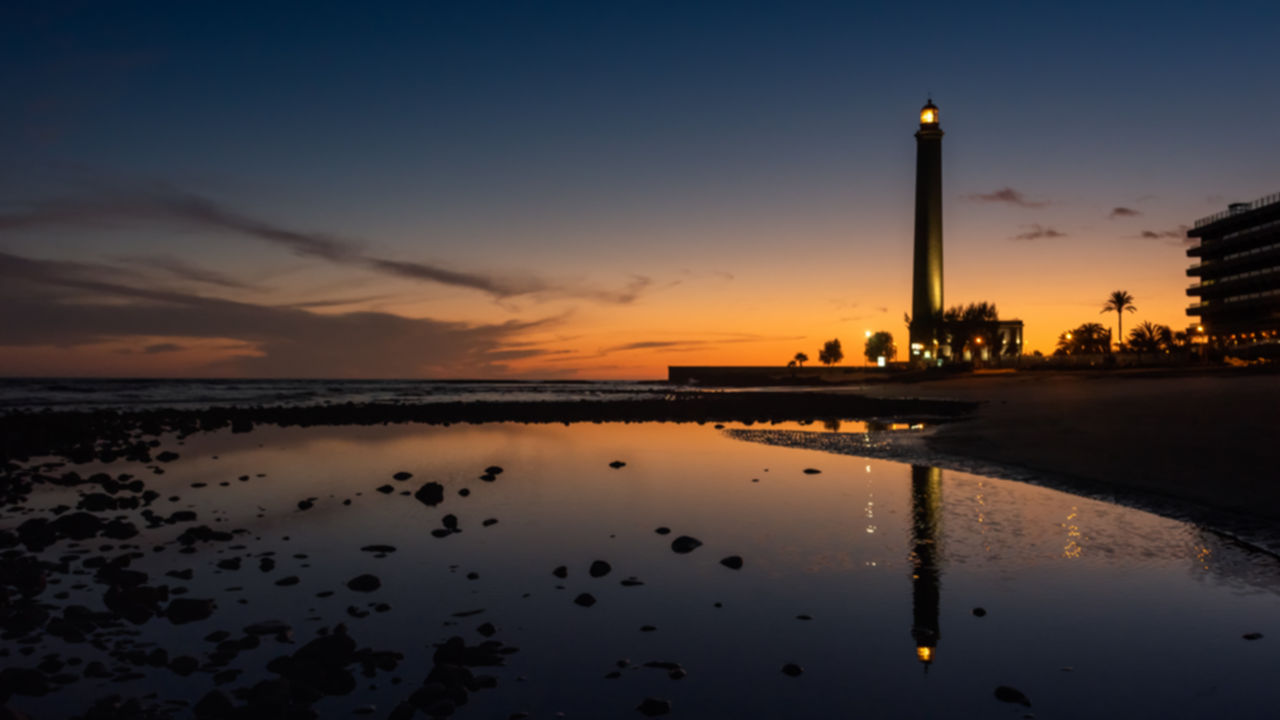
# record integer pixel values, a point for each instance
(596, 190)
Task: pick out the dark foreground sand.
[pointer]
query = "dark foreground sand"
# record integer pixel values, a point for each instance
(1211, 440)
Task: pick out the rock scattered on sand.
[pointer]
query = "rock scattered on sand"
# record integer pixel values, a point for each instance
(685, 544)
(450, 522)
(287, 581)
(663, 531)
(364, 583)
(489, 521)
(617, 464)
(306, 504)
(599, 568)
(1004, 693)
(464, 492)
(804, 617)
(653, 707)
(487, 629)
(402, 476)
(378, 548)
(386, 489)
(585, 600)
(1252, 636)
(631, 582)
(792, 670)
(733, 562)
(167, 456)
(979, 612)
(185, 610)
(493, 470)
(561, 572)
(430, 494)
(812, 471)
(648, 628)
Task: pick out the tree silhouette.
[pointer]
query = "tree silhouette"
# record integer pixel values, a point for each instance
(800, 359)
(1119, 302)
(879, 344)
(831, 352)
(1089, 338)
(1152, 338)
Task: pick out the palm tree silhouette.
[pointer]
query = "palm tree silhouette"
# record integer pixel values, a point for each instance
(801, 359)
(1119, 301)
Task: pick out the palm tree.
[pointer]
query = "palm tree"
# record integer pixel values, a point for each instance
(1119, 301)
(801, 359)
(1145, 338)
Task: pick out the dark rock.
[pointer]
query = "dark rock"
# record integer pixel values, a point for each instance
(378, 548)
(185, 610)
(617, 464)
(599, 568)
(979, 612)
(1252, 636)
(430, 494)
(464, 492)
(364, 583)
(631, 582)
(167, 456)
(812, 471)
(585, 600)
(306, 504)
(685, 544)
(487, 629)
(647, 628)
(229, 564)
(493, 470)
(386, 489)
(561, 572)
(23, 681)
(489, 521)
(792, 670)
(97, 502)
(402, 475)
(441, 532)
(450, 522)
(663, 531)
(287, 581)
(733, 562)
(653, 707)
(184, 665)
(1004, 693)
(213, 705)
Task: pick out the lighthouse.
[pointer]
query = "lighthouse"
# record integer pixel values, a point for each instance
(926, 277)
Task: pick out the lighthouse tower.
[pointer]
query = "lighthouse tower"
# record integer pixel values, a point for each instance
(926, 278)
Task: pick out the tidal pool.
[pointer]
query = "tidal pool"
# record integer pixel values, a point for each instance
(900, 591)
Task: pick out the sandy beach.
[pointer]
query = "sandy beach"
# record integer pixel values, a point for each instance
(1204, 440)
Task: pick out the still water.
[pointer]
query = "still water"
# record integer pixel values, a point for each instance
(901, 591)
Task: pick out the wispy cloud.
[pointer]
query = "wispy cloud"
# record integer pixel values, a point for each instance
(174, 206)
(1038, 232)
(1006, 195)
(53, 303)
(186, 271)
(1123, 212)
(1175, 236)
(162, 348)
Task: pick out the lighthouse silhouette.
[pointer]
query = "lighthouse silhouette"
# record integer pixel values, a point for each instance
(926, 277)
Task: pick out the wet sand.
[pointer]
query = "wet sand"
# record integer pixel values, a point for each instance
(1206, 440)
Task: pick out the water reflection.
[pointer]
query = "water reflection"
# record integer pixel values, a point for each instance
(926, 570)
(837, 545)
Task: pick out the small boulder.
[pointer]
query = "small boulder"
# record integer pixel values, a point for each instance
(364, 583)
(599, 568)
(685, 544)
(733, 562)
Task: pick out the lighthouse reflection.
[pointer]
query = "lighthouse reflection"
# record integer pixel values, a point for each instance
(926, 575)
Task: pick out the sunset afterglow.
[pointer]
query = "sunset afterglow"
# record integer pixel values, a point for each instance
(593, 191)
